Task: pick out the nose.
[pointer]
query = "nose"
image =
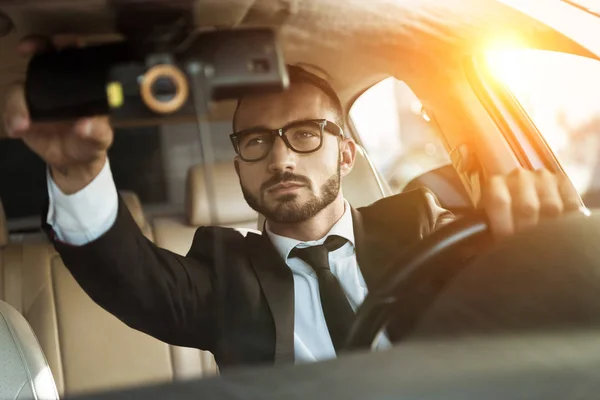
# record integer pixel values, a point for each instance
(281, 158)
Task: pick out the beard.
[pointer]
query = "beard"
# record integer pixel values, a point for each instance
(286, 209)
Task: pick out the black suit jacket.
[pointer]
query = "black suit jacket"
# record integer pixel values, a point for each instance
(231, 295)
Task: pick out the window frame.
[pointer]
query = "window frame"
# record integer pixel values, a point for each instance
(503, 106)
(583, 7)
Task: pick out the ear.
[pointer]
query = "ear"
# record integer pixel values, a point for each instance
(348, 151)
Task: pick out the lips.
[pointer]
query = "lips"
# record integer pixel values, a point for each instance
(285, 186)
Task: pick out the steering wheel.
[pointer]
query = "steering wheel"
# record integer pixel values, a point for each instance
(413, 274)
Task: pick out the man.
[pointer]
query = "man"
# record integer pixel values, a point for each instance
(287, 295)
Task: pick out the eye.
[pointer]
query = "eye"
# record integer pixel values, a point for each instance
(255, 142)
(252, 140)
(305, 134)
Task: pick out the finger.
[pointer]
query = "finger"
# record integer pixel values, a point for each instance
(525, 200)
(16, 115)
(497, 204)
(34, 44)
(569, 195)
(551, 203)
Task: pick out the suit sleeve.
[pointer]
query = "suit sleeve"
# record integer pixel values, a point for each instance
(151, 289)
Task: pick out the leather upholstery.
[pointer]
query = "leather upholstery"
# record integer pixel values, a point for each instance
(231, 208)
(176, 234)
(87, 348)
(3, 227)
(173, 234)
(24, 371)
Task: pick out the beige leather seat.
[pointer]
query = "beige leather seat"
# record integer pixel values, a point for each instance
(24, 371)
(176, 234)
(230, 207)
(87, 348)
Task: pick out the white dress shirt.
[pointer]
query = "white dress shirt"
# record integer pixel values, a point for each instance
(82, 217)
(312, 341)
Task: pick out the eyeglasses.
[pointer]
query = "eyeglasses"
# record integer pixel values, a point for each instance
(305, 136)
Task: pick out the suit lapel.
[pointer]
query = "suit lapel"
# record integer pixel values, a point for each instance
(277, 283)
(374, 252)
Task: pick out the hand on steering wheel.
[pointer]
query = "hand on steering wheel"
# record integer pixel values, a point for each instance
(416, 279)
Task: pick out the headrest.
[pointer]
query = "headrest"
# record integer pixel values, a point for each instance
(361, 186)
(132, 201)
(445, 182)
(3, 227)
(231, 207)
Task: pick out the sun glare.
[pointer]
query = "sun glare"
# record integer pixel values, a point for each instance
(501, 56)
(561, 94)
(376, 111)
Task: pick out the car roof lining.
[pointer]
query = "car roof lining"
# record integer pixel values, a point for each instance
(415, 40)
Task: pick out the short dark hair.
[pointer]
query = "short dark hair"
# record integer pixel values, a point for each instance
(300, 75)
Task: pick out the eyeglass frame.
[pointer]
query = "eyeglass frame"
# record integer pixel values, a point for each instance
(325, 125)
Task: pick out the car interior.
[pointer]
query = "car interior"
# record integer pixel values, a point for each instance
(37, 284)
(55, 342)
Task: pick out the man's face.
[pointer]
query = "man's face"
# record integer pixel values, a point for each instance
(288, 187)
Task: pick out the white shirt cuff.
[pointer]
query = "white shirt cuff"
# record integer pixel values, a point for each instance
(84, 216)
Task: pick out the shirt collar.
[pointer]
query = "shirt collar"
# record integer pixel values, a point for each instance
(344, 227)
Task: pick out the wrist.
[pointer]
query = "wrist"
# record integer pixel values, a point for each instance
(73, 178)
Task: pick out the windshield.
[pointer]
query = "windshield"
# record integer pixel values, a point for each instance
(173, 213)
(561, 94)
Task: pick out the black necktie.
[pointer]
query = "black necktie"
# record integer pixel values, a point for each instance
(336, 308)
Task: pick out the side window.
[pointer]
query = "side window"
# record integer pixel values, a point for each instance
(398, 136)
(561, 94)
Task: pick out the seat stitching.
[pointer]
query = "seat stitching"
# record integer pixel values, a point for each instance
(20, 390)
(41, 289)
(35, 298)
